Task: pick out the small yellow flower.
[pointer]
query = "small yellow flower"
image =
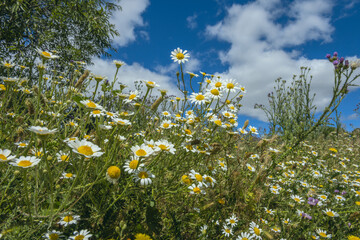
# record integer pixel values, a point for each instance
(351, 237)
(141, 236)
(333, 150)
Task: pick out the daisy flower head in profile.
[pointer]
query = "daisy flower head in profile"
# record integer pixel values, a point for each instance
(143, 176)
(118, 63)
(42, 130)
(82, 235)
(5, 155)
(322, 233)
(180, 56)
(85, 148)
(132, 96)
(165, 146)
(46, 55)
(91, 105)
(67, 175)
(150, 84)
(255, 230)
(25, 162)
(69, 219)
(53, 235)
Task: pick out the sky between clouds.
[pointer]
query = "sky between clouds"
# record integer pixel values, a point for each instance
(254, 42)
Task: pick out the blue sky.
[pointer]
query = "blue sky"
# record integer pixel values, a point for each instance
(254, 42)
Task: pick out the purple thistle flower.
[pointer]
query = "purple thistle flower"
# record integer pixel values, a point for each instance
(335, 54)
(312, 201)
(336, 191)
(328, 56)
(343, 192)
(336, 62)
(342, 59)
(307, 216)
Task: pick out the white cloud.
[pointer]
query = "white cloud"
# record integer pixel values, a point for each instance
(191, 21)
(128, 74)
(257, 56)
(127, 19)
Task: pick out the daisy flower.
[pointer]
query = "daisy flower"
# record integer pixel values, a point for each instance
(83, 235)
(5, 155)
(297, 199)
(209, 181)
(118, 63)
(198, 98)
(143, 176)
(113, 174)
(22, 144)
(269, 211)
(96, 113)
(66, 175)
(180, 56)
(142, 151)
(46, 55)
(122, 122)
(339, 198)
(42, 130)
(91, 105)
(255, 230)
(196, 189)
(85, 148)
(322, 233)
(150, 84)
(25, 162)
(197, 176)
(232, 220)
(244, 236)
(62, 157)
(53, 235)
(330, 213)
(251, 168)
(230, 85)
(166, 124)
(253, 130)
(165, 146)
(213, 93)
(227, 231)
(69, 219)
(131, 165)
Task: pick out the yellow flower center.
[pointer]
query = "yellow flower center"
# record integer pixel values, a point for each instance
(218, 84)
(232, 221)
(22, 144)
(68, 175)
(218, 122)
(114, 172)
(141, 153)
(2, 87)
(143, 175)
(227, 230)
(2, 157)
(209, 179)
(150, 82)
(198, 177)
(68, 218)
(133, 164)
(166, 125)
(91, 104)
(200, 97)
(322, 234)
(24, 163)
(79, 237)
(85, 150)
(132, 96)
(163, 147)
(230, 86)
(257, 231)
(54, 236)
(297, 199)
(196, 190)
(215, 92)
(46, 54)
(96, 112)
(189, 147)
(180, 56)
(185, 179)
(330, 214)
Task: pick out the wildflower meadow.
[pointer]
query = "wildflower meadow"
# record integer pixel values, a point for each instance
(83, 156)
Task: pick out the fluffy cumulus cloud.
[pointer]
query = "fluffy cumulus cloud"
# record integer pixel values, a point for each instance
(260, 40)
(127, 19)
(129, 74)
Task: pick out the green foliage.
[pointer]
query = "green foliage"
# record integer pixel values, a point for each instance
(76, 29)
(291, 110)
